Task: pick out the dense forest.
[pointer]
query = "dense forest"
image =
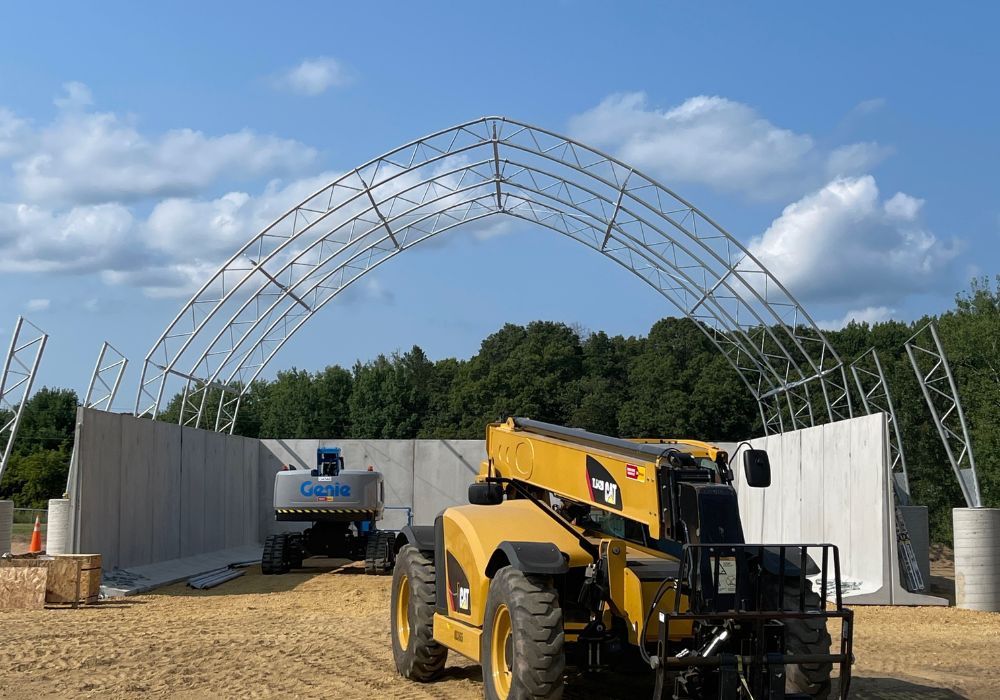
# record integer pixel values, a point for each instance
(672, 382)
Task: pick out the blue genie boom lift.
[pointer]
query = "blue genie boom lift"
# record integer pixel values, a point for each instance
(343, 506)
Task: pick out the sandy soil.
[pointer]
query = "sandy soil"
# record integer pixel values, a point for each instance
(324, 633)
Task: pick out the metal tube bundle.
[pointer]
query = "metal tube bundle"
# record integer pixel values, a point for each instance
(214, 578)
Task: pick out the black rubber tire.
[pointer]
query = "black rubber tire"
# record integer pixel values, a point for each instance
(272, 559)
(423, 659)
(539, 657)
(808, 636)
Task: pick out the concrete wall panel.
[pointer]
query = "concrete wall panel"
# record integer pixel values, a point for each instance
(136, 522)
(393, 458)
(812, 473)
(231, 497)
(251, 516)
(99, 464)
(214, 515)
(165, 481)
(443, 470)
(829, 485)
(192, 492)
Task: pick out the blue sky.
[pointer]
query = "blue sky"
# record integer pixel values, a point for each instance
(851, 146)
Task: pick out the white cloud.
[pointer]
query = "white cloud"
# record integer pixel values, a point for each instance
(211, 229)
(38, 305)
(717, 142)
(168, 280)
(369, 289)
(843, 244)
(870, 315)
(11, 133)
(83, 239)
(86, 157)
(77, 96)
(314, 76)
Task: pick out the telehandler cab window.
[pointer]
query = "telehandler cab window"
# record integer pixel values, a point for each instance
(614, 525)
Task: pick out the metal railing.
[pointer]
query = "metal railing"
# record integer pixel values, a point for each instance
(28, 515)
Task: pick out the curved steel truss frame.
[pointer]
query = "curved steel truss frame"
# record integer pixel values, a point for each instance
(940, 390)
(876, 398)
(20, 365)
(106, 378)
(230, 330)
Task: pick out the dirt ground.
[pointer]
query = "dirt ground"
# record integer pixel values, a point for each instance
(325, 633)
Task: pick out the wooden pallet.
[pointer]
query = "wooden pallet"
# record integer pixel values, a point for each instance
(72, 579)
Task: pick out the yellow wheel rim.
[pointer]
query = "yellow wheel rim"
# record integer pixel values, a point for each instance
(502, 651)
(403, 613)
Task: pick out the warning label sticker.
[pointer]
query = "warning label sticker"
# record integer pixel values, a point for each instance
(633, 471)
(727, 575)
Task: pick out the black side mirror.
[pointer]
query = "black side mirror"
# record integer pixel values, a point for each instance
(485, 494)
(757, 468)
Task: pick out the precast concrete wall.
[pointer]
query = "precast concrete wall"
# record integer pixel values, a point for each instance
(145, 491)
(830, 484)
(425, 476)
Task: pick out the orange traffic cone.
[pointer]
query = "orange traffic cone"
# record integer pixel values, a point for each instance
(36, 536)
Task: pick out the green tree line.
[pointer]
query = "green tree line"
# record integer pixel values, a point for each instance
(671, 382)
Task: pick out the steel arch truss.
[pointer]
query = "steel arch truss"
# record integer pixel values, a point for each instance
(941, 393)
(875, 398)
(106, 378)
(234, 325)
(19, 368)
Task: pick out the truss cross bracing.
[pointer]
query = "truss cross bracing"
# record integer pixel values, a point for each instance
(106, 379)
(19, 369)
(941, 393)
(875, 398)
(239, 320)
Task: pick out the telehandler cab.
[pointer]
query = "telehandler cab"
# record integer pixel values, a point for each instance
(588, 551)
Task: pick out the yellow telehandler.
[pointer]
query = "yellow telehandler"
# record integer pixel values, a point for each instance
(595, 553)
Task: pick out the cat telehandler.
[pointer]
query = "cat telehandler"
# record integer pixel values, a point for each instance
(585, 553)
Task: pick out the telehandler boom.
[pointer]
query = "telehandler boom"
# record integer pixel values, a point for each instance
(598, 553)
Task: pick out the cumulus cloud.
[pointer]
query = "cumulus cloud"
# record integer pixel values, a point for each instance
(83, 239)
(314, 76)
(718, 142)
(87, 157)
(76, 96)
(12, 132)
(37, 305)
(869, 315)
(208, 228)
(843, 243)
